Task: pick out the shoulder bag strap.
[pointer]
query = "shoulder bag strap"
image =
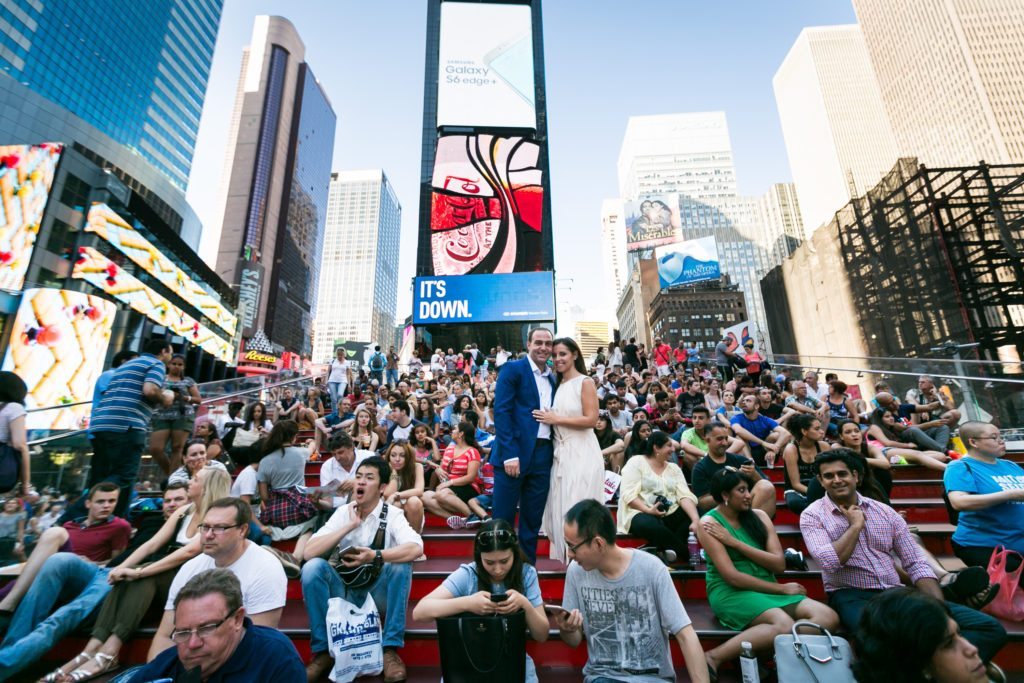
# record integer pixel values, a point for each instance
(378, 539)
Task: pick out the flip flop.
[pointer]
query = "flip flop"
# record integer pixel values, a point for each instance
(964, 584)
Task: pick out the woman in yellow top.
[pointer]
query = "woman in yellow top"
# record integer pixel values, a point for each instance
(655, 503)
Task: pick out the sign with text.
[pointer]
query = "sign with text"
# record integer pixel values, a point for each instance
(250, 284)
(505, 297)
(684, 263)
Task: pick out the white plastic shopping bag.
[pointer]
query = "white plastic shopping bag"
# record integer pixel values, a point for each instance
(354, 638)
(611, 485)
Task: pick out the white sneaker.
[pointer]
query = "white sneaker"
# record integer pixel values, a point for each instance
(456, 522)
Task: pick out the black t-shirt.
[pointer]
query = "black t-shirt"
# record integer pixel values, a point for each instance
(687, 402)
(774, 410)
(629, 352)
(706, 468)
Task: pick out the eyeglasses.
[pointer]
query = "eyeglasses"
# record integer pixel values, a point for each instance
(217, 530)
(574, 548)
(503, 536)
(998, 437)
(201, 632)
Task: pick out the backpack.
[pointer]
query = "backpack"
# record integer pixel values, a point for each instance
(377, 361)
(10, 462)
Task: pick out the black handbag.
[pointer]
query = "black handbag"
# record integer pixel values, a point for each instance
(474, 647)
(365, 574)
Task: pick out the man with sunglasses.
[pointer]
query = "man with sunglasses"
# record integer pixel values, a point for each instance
(222, 536)
(213, 635)
(625, 604)
(988, 491)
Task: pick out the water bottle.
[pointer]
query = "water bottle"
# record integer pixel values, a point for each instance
(748, 664)
(693, 548)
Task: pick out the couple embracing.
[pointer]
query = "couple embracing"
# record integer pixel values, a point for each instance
(545, 455)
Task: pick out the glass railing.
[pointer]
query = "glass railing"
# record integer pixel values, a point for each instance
(60, 457)
(981, 390)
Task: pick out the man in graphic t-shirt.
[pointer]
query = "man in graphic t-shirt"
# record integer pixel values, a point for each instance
(623, 601)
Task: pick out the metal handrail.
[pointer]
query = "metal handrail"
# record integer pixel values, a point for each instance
(909, 359)
(863, 371)
(212, 399)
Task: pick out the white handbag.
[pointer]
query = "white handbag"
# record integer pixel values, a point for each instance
(803, 658)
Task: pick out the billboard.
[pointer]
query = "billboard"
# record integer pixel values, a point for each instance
(26, 175)
(485, 66)
(510, 297)
(98, 270)
(59, 341)
(250, 285)
(684, 263)
(486, 206)
(740, 333)
(106, 223)
(652, 222)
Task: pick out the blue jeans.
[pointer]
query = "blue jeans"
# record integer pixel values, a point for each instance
(981, 630)
(392, 375)
(390, 593)
(65, 577)
(335, 389)
(377, 375)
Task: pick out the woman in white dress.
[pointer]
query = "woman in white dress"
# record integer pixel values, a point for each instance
(577, 471)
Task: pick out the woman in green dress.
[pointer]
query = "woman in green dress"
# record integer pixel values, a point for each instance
(743, 555)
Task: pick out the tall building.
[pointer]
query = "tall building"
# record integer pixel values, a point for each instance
(696, 314)
(951, 75)
(275, 205)
(592, 335)
(485, 185)
(613, 250)
(688, 158)
(637, 295)
(122, 83)
(359, 269)
(782, 223)
(837, 134)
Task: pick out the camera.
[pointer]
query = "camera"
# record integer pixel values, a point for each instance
(662, 504)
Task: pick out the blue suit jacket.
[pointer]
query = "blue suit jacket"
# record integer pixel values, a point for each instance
(515, 399)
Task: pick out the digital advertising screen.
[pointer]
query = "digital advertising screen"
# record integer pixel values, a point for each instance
(510, 297)
(684, 263)
(26, 176)
(106, 223)
(652, 222)
(487, 206)
(98, 270)
(485, 66)
(58, 344)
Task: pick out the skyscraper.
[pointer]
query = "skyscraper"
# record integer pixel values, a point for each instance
(783, 227)
(689, 155)
(275, 208)
(951, 75)
(121, 82)
(613, 251)
(359, 270)
(837, 135)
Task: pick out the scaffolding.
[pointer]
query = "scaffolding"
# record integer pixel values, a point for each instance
(935, 254)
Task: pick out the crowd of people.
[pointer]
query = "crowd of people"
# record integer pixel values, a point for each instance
(661, 446)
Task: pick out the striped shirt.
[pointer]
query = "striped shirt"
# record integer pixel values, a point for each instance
(870, 566)
(122, 406)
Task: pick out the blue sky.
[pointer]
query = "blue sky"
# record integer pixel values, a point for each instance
(606, 60)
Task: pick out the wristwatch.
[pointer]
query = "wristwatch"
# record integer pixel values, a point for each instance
(378, 559)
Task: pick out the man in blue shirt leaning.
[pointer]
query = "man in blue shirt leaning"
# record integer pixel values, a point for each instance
(764, 435)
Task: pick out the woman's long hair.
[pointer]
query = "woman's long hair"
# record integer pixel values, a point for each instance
(637, 444)
(798, 426)
(899, 633)
(216, 485)
(468, 432)
(573, 347)
(498, 534)
(407, 475)
(877, 419)
(725, 480)
(354, 429)
(606, 437)
(250, 409)
(283, 434)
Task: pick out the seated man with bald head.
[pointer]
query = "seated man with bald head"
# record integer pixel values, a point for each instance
(215, 640)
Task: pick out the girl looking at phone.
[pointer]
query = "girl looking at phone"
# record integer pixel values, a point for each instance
(498, 568)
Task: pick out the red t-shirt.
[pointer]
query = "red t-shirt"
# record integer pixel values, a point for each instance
(99, 541)
(680, 354)
(662, 354)
(456, 467)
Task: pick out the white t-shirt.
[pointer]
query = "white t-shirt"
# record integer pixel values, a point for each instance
(11, 411)
(332, 469)
(339, 371)
(264, 585)
(245, 483)
(398, 531)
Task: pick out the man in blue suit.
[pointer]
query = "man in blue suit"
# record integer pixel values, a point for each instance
(522, 449)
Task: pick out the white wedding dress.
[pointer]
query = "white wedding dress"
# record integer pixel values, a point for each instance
(577, 471)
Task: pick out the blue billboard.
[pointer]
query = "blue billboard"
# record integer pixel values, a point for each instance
(504, 297)
(687, 262)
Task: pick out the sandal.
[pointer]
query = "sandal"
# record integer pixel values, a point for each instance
(58, 675)
(107, 663)
(960, 585)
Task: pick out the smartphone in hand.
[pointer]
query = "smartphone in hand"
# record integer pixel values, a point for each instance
(499, 597)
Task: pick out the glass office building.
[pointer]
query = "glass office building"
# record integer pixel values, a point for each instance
(137, 71)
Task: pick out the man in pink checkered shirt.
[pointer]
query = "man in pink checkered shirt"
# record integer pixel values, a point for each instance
(854, 539)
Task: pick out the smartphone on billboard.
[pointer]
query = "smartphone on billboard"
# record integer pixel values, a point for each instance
(512, 62)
